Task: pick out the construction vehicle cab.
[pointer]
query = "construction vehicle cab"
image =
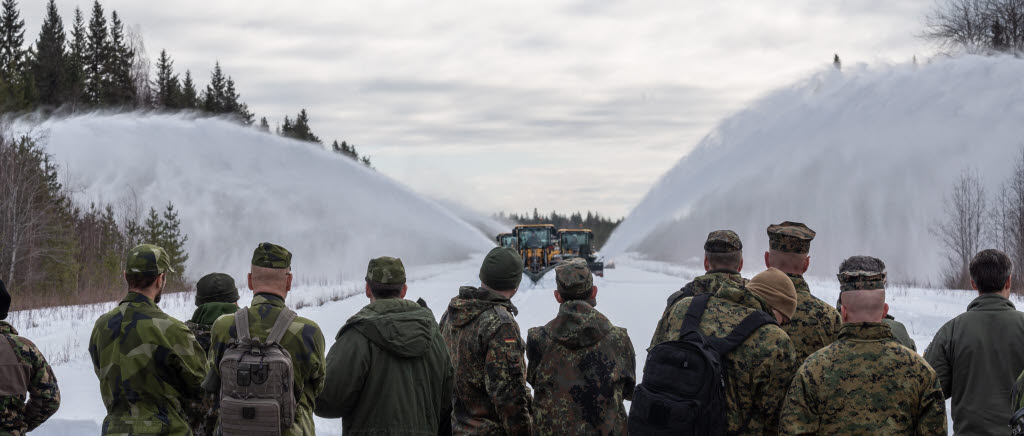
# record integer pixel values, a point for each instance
(538, 245)
(507, 240)
(580, 243)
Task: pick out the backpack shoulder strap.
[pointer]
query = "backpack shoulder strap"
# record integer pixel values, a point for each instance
(284, 320)
(242, 324)
(694, 312)
(747, 327)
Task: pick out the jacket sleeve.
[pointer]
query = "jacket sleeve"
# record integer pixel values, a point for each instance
(533, 355)
(798, 415)
(505, 380)
(937, 355)
(933, 412)
(776, 374)
(317, 378)
(629, 376)
(44, 395)
(348, 362)
(447, 390)
(191, 364)
(220, 336)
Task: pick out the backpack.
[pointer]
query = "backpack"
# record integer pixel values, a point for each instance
(256, 392)
(683, 388)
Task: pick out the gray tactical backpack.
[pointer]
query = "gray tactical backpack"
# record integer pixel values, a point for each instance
(256, 396)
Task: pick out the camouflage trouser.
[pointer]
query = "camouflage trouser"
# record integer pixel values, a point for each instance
(203, 415)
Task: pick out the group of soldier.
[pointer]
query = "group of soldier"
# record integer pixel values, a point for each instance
(393, 370)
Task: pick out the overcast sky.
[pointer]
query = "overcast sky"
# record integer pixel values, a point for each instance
(512, 105)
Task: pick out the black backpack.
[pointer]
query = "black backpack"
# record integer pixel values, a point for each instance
(683, 389)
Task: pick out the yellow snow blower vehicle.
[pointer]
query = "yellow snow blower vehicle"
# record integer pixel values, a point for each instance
(579, 243)
(538, 245)
(507, 240)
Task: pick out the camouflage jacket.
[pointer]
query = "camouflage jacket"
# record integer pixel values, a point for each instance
(705, 284)
(865, 383)
(150, 368)
(43, 395)
(815, 323)
(303, 340)
(203, 413)
(581, 369)
(490, 395)
(757, 373)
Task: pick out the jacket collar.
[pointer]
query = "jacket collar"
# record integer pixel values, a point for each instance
(7, 329)
(472, 293)
(723, 271)
(867, 331)
(744, 298)
(799, 283)
(269, 299)
(137, 298)
(990, 302)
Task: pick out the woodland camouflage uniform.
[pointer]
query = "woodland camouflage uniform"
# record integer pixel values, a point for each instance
(19, 417)
(757, 373)
(581, 366)
(815, 323)
(149, 364)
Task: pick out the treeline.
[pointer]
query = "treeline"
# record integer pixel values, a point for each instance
(975, 219)
(987, 26)
(53, 252)
(602, 226)
(101, 64)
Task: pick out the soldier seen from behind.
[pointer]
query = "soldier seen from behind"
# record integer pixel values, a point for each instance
(389, 371)
(979, 354)
(581, 367)
(251, 397)
(899, 331)
(149, 364)
(24, 375)
(490, 395)
(755, 356)
(815, 323)
(864, 382)
(216, 295)
(723, 261)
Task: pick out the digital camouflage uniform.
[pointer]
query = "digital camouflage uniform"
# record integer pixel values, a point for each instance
(815, 323)
(899, 331)
(581, 366)
(43, 396)
(757, 373)
(491, 397)
(865, 383)
(719, 241)
(303, 340)
(149, 364)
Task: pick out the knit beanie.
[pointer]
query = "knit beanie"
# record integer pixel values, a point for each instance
(502, 269)
(777, 288)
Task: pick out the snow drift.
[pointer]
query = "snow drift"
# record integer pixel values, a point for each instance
(863, 156)
(235, 187)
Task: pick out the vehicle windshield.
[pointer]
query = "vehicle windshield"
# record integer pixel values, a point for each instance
(573, 241)
(534, 237)
(508, 241)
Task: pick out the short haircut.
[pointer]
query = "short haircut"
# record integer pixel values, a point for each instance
(785, 260)
(990, 269)
(570, 297)
(862, 263)
(140, 281)
(383, 291)
(276, 278)
(725, 260)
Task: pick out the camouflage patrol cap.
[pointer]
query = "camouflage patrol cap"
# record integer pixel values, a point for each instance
(790, 237)
(386, 271)
(861, 280)
(574, 279)
(269, 255)
(723, 241)
(148, 259)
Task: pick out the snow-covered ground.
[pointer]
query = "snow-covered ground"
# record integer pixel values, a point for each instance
(632, 296)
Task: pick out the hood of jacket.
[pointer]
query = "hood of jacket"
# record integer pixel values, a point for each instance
(400, 326)
(207, 313)
(472, 301)
(578, 325)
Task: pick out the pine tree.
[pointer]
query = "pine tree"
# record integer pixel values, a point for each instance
(265, 126)
(837, 63)
(235, 106)
(14, 83)
(152, 228)
(189, 95)
(168, 91)
(74, 70)
(96, 53)
(120, 89)
(173, 242)
(213, 97)
(48, 65)
(301, 129)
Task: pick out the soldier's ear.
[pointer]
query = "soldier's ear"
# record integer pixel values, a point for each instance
(249, 281)
(405, 288)
(707, 263)
(558, 297)
(767, 260)
(741, 265)
(885, 310)
(807, 264)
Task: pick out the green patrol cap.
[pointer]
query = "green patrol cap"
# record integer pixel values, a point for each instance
(861, 280)
(574, 279)
(216, 288)
(269, 255)
(790, 237)
(148, 259)
(723, 241)
(386, 271)
(502, 269)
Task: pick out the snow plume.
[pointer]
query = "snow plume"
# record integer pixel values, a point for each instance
(864, 157)
(235, 187)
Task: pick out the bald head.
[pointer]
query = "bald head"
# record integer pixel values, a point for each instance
(864, 306)
(277, 281)
(789, 263)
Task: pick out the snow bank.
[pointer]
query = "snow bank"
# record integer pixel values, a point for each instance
(236, 187)
(863, 156)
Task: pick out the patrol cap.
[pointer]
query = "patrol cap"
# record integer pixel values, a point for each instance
(502, 269)
(274, 256)
(386, 271)
(574, 279)
(148, 259)
(790, 237)
(861, 280)
(723, 241)
(216, 288)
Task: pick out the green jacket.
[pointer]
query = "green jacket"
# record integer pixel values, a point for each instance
(150, 368)
(17, 416)
(304, 342)
(389, 373)
(978, 356)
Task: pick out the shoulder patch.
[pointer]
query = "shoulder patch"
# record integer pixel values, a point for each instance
(503, 315)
